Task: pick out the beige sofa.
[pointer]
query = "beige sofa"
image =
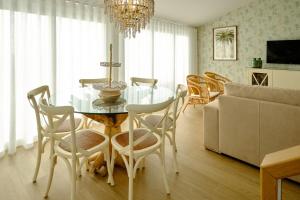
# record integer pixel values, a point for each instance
(248, 122)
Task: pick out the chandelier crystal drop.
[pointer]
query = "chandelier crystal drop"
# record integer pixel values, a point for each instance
(130, 16)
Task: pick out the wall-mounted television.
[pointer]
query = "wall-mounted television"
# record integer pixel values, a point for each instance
(283, 51)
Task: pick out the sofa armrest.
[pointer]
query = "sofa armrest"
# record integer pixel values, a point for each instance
(239, 128)
(211, 126)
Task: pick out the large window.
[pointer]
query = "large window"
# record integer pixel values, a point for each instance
(164, 51)
(44, 42)
(80, 45)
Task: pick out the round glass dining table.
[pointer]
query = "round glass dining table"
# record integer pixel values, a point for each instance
(86, 101)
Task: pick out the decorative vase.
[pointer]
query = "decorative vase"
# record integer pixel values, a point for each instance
(259, 63)
(254, 63)
(110, 93)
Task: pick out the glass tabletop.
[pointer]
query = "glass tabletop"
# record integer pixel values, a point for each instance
(86, 100)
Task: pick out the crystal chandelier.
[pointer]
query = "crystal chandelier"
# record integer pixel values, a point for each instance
(130, 16)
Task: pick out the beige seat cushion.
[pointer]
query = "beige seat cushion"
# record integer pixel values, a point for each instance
(123, 139)
(156, 119)
(86, 139)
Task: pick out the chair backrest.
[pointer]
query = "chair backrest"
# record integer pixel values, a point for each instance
(54, 117)
(219, 78)
(197, 86)
(135, 81)
(33, 98)
(178, 104)
(134, 113)
(213, 85)
(181, 93)
(86, 82)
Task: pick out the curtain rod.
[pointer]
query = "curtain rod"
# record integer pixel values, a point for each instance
(172, 22)
(101, 5)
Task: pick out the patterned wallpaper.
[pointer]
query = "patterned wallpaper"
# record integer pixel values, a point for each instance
(259, 21)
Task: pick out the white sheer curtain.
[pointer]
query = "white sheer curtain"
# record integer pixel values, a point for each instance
(81, 44)
(43, 42)
(57, 42)
(165, 51)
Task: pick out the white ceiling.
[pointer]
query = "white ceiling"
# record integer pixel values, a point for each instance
(196, 12)
(193, 12)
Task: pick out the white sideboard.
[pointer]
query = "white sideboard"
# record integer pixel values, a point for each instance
(274, 78)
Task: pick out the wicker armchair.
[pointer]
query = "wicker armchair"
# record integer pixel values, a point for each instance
(202, 90)
(221, 80)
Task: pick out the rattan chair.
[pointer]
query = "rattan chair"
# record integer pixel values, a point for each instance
(76, 147)
(33, 98)
(135, 144)
(199, 90)
(221, 80)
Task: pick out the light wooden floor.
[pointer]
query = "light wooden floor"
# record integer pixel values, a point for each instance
(203, 175)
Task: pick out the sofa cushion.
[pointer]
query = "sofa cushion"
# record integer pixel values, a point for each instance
(278, 95)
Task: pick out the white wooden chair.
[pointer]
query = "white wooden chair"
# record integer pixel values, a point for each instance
(136, 144)
(75, 146)
(85, 83)
(156, 120)
(33, 98)
(135, 81)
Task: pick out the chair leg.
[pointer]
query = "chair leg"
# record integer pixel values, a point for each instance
(130, 176)
(78, 167)
(161, 155)
(142, 165)
(279, 189)
(174, 151)
(53, 163)
(185, 106)
(174, 139)
(175, 159)
(44, 142)
(51, 149)
(108, 165)
(163, 170)
(112, 161)
(38, 161)
(73, 178)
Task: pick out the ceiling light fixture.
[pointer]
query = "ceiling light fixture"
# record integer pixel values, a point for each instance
(130, 16)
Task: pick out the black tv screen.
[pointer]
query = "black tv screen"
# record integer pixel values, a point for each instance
(283, 51)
